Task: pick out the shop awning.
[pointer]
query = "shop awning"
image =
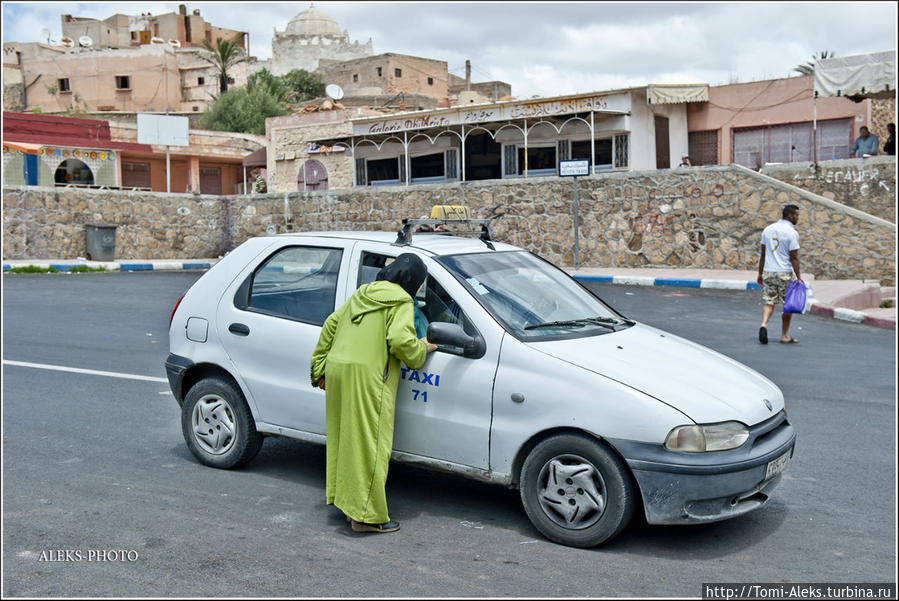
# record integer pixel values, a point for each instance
(255, 159)
(24, 147)
(857, 77)
(676, 94)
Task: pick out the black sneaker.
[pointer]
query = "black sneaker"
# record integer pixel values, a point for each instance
(763, 335)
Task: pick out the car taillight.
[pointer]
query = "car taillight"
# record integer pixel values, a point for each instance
(175, 308)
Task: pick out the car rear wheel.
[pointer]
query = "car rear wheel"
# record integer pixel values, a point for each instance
(217, 424)
(576, 491)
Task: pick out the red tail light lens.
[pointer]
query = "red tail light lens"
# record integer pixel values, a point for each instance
(175, 308)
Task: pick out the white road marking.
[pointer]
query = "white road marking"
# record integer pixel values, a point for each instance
(78, 370)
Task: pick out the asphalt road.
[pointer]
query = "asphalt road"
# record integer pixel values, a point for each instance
(93, 463)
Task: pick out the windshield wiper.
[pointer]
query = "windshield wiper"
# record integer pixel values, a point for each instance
(608, 322)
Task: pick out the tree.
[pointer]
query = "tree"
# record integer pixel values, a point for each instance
(244, 110)
(304, 84)
(224, 55)
(271, 83)
(809, 68)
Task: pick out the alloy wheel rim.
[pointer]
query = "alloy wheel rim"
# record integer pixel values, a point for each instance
(571, 492)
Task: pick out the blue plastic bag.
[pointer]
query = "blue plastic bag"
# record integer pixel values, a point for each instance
(794, 300)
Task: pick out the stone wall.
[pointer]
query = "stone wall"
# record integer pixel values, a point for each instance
(705, 217)
(868, 185)
(883, 111)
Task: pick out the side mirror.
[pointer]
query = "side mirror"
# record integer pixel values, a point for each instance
(450, 337)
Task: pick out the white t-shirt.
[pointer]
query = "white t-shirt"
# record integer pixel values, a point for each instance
(779, 239)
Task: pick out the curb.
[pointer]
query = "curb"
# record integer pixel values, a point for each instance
(851, 315)
(686, 283)
(119, 266)
(815, 307)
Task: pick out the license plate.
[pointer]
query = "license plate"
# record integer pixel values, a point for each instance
(777, 465)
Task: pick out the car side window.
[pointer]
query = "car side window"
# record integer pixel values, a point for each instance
(297, 282)
(432, 303)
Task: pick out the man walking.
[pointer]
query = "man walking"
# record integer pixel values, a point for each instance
(778, 260)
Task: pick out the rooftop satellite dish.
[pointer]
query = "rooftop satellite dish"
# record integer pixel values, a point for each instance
(155, 40)
(334, 91)
(85, 41)
(67, 42)
(45, 33)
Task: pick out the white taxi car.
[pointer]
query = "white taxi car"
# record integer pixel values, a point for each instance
(537, 383)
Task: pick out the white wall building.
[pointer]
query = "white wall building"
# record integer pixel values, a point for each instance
(632, 129)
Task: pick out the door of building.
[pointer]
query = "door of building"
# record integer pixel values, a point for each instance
(136, 175)
(210, 180)
(663, 155)
(30, 169)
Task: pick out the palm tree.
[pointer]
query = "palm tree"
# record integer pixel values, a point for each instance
(224, 55)
(809, 68)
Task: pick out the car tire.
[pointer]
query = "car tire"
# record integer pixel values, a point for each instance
(576, 491)
(217, 424)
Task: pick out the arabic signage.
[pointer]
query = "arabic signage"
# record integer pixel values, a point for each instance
(574, 167)
(613, 103)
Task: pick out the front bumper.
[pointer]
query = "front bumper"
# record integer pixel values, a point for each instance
(684, 488)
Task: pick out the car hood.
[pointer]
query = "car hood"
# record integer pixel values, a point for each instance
(705, 385)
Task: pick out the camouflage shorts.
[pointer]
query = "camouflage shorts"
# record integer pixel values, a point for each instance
(776, 283)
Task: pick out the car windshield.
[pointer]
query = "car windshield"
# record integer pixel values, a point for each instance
(532, 298)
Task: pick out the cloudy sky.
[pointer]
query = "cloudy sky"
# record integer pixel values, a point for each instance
(550, 48)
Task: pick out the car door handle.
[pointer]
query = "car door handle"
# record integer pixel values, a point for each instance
(239, 329)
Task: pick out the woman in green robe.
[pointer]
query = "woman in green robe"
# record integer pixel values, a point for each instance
(358, 354)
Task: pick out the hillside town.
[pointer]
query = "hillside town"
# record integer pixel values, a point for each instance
(390, 119)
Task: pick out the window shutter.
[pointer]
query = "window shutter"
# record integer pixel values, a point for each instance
(510, 160)
(451, 165)
(564, 150)
(621, 150)
(361, 174)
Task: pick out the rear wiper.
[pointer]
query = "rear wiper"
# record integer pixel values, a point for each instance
(607, 322)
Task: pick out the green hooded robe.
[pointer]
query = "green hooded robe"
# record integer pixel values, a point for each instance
(359, 353)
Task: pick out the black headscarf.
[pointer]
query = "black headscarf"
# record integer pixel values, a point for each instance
(407, 270)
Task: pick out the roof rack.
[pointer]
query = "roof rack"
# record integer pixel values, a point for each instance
(404, 236)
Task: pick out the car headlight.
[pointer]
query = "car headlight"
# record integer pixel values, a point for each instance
(707, 437)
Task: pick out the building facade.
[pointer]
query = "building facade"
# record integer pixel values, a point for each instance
(47, 150)
(389, 74)
(621, 130)
(123, 31)
(156, 77)
(774, 121)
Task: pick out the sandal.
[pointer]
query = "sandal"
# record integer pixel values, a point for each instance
(391, 526)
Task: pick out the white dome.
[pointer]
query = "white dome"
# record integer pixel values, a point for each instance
(313, 22)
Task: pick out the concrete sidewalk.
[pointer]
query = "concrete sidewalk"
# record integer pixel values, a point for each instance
(850, 300)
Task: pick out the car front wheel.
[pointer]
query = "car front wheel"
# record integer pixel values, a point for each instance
(576, 491)
(217, 424)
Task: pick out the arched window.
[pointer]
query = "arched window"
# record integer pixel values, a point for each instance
(312, 176)
(73, 171)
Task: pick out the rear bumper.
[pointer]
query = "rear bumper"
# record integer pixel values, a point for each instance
(175, 367)
(684, 488)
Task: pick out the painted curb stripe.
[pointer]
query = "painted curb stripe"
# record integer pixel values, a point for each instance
(724, 284)
(136, 267)
(678, 282)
